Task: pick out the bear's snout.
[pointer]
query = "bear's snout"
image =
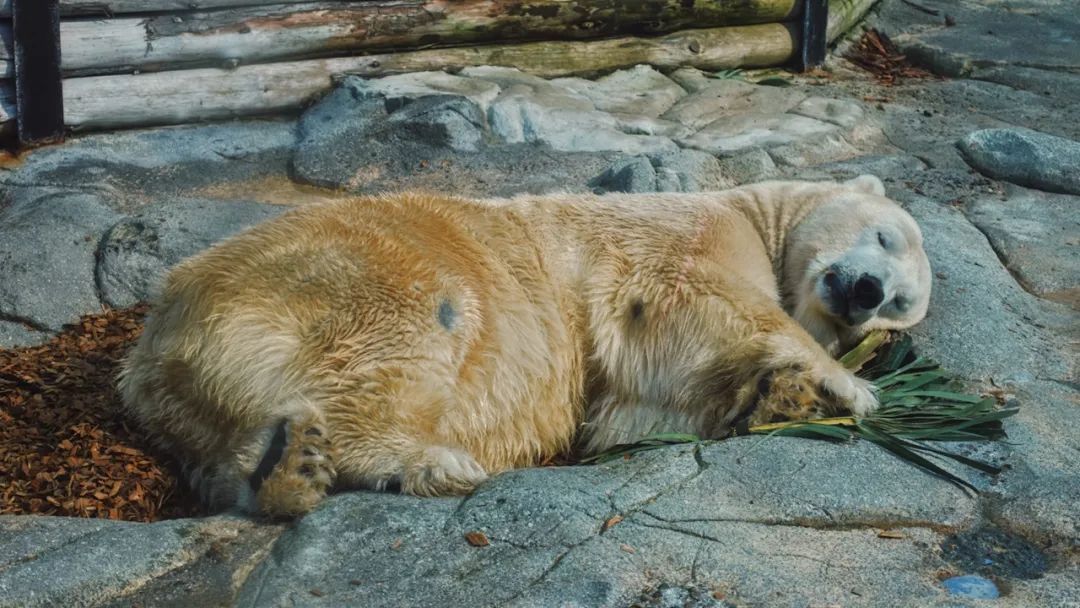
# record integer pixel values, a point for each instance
(852, 299)
(867, 293)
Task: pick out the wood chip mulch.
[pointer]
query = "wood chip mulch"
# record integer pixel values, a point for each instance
(65, 446)
(877, 54)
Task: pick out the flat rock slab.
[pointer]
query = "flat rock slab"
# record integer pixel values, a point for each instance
(52, 561)
(1025, 157)
(732, 117)
(1030, 33)
(47, 249)
(982, 324)
(1037, 236)
(726, 98)
(134, 167)
(14, 334)
(746, 516)
(640, 90)
(1038, 494)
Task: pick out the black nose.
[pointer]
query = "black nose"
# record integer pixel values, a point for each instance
(867, 293)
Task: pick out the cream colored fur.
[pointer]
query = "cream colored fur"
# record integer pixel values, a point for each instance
(431, 341)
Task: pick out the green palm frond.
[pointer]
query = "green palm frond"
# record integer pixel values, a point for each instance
(920, 402)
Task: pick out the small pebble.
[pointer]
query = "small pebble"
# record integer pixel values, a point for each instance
(971, 585)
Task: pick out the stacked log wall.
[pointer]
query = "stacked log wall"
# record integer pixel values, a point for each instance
(133, 63)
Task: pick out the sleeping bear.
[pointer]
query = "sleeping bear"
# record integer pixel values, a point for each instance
(426, 342)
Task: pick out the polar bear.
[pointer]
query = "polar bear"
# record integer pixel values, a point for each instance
(426, 342)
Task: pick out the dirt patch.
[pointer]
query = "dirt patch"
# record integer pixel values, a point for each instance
(65, 446)
(993, 552)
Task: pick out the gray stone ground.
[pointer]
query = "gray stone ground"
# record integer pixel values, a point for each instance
(985, 158)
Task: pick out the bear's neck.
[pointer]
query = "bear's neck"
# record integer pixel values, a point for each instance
(774, 213)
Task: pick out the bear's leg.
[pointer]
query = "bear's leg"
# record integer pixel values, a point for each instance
(765, 365)
(296, 470)
(420, 468)
(439, 471)
(392, 433)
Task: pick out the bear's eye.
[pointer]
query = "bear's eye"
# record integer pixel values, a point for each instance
(882, 241)
(901, 303)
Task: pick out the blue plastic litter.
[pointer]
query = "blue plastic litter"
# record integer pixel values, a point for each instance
(972, 586)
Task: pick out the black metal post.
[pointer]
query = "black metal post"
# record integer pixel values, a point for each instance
(814, 40)
(39, 93)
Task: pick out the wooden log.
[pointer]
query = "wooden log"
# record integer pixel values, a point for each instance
(109, 8)
(106, 102)
(296, 31)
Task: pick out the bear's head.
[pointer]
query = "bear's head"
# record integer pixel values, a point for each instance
(854, 264)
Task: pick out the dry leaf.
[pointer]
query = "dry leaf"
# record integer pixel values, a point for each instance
(612, 521)
(65, 446)
(628, 548)
(891, 534)
(477, 538)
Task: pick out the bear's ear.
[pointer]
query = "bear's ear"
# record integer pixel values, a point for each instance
(869, 184)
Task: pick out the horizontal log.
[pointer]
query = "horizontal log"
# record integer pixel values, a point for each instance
(120, 7)
(299, 31)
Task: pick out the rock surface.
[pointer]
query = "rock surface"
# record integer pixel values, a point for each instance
(1037, 237)
(76, 562)
(680, 171)
(47, 246)
(1025, 157)
(414, 137)
(550, 543)
(746, 522)
(132, 168)
(986, 34)
(136, 251)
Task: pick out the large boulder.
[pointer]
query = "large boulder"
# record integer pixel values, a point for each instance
(368, 137)
(1025, 157)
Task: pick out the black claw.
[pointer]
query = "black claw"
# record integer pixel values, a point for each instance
(270, 459)
(307, 470)
(313, 431)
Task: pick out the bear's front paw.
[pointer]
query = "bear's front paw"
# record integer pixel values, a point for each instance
(789, 393)
(855, 394)
(795, 393)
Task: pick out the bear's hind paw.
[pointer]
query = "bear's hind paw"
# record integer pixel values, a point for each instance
(303, 474)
